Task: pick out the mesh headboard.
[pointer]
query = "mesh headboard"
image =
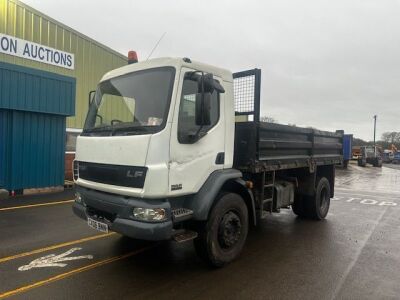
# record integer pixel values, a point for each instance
(246, 92)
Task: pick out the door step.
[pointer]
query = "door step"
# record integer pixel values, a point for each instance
(182, 214)
(185, 236)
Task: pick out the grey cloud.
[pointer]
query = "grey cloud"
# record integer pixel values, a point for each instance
(326, 64)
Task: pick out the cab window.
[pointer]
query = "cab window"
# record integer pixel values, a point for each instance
(186, 121)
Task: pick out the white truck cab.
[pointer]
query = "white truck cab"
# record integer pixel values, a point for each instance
(161, 157)
(157, 138)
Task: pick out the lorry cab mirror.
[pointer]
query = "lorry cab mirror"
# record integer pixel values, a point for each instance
(210, 84)
(206, 82)
(203, 109)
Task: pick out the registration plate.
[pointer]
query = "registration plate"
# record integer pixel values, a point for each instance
(103, 227)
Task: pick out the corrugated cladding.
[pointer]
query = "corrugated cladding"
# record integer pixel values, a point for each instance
(33, 108)
(32, 150)
(32, 90)
(5, 146)
(92, 60)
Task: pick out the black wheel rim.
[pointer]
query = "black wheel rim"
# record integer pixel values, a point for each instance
(323, 205)
(229, 230)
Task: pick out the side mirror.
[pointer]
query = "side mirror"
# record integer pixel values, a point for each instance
(203, 109)
(91, 96)
(210, 84)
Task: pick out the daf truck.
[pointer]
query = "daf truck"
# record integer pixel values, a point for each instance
(173, 149)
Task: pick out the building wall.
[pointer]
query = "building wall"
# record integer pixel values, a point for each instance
(92, 59)
(33, 109)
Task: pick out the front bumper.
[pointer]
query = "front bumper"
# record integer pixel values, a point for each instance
(118, 211)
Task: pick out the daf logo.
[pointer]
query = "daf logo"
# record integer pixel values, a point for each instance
(134, 174)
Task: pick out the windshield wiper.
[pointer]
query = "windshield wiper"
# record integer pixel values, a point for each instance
(99, 128)
(130, 129)
(120, 129)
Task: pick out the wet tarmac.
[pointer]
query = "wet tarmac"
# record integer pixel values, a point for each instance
(48, 253)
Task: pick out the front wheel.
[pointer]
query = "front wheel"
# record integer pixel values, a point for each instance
(222, 237)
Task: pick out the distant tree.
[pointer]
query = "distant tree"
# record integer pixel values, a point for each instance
(384, 144)
(359, 142)
(392, 137)
(268, 119)
(293, 125)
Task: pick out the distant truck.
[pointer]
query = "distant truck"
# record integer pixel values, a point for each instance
(396, 158)
(356, 152)
(347, 149)
(370, 155)
(188, 159)
(387, 156)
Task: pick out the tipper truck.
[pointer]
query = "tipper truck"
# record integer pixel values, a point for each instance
(173, 149)
(347, 148)
(370, 155)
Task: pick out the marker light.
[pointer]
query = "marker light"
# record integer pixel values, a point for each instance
(132, 57)
(149, 214)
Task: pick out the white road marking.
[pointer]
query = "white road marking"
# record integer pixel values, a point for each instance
(369, 201)
(365, 201)
(53, 260)
(388, 203)
(376, 194)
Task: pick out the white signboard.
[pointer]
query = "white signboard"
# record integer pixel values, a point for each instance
(29, 50)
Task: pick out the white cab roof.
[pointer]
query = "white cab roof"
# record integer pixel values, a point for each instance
(172, 62)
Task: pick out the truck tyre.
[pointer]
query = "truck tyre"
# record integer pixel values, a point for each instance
(222, 237)
(345, 164)
(362, 163)
(298, 207)
(317, 206)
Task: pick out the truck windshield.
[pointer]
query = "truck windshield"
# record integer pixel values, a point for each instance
(135, 103)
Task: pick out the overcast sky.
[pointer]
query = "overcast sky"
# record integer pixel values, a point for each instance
(326, 64)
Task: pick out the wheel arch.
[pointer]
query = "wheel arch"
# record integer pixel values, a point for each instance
(238, 186)
(227, 180)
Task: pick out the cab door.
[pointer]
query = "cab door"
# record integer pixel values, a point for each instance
(191, 162)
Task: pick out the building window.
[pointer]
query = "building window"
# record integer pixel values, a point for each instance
(186, 121)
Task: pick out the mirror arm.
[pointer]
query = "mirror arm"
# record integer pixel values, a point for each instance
(90, 96)
(197, 134)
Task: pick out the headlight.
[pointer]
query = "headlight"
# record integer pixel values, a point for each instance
(149, 214)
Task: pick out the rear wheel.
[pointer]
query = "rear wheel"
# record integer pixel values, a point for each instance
(378, 163)
(361, 162)
(317, 206)
(222, 237)
(345, 164)
(298, 207)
